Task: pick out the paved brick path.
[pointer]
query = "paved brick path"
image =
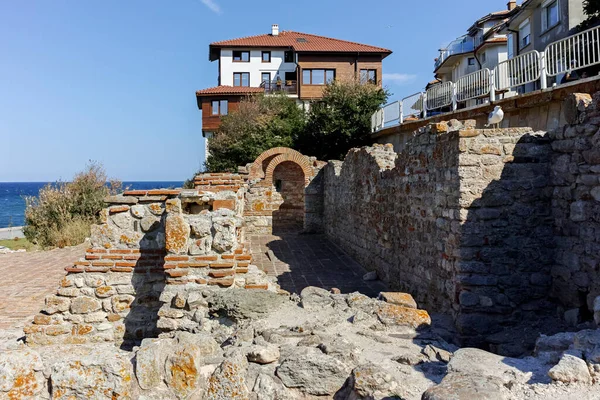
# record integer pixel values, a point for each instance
(27, 278)
(310, 260)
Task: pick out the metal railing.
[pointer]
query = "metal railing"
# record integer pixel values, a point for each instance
(440, 95)
(518, 71)
(473, 86)
(412, 106)
(459, 46)
(289, 87)
(575, 52)
(578, 51)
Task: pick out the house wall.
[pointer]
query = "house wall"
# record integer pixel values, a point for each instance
(211, 123)
(346, 67)
(255, 67)
(571, 15)
(494, 54)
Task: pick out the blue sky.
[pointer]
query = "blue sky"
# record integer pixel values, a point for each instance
(114, 80)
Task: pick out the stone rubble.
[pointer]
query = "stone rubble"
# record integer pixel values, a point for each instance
(253, 344)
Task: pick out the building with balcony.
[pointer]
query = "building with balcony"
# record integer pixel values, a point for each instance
(536, 24)
(297, 64)
(484, 46)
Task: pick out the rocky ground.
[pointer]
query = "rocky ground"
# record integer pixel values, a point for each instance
(262, 345)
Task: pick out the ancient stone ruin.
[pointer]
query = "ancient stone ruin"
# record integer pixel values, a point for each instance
(490, 237)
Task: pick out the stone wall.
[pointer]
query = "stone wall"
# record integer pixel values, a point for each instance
(460, 218)
(148, 242)
(576, 210)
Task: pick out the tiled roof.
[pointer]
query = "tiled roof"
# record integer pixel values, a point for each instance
(241, 90)
(301, 42)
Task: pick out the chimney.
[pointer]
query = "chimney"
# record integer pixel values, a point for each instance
(275, 30)
(512, 4)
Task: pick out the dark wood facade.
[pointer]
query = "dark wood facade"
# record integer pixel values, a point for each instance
(210, 122)
(346, 66)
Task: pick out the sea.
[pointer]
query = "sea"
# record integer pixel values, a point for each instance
(12, 197)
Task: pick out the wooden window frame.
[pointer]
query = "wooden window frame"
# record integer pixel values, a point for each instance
(311, 76)
(241, 74)
(212, 107)
(262, 56)
(241, 57)
(374, 70)
(262, 75)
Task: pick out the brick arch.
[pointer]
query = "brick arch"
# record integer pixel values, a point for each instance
(292, 156)
(257, 170)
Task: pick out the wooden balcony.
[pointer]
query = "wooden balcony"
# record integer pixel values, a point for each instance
(287, 87)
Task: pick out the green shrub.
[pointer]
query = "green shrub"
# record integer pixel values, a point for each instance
(64, 211)
(260, 123)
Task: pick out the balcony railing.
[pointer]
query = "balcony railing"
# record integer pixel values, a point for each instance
(569, 55)
(459, 46)
(288, 87)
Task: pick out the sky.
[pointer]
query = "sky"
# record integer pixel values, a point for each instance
(114, 81)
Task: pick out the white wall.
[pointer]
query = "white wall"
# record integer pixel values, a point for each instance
(255, 67)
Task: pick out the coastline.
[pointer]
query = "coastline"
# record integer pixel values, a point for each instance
(11, 233)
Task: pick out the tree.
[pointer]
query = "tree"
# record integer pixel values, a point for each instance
(260, 123)
(341, 120)
(591, 8)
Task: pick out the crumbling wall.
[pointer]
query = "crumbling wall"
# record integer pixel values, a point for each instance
(283, 193)
(460, 218)
(148, 243)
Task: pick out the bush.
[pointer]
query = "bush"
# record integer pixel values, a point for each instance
(260, 123)
(64, 211)
(341, 120)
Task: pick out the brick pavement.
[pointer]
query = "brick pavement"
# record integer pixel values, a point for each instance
(27, 278)
(310, 260)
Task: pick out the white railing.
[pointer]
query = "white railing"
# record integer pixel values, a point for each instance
(518, 71)
(386, 116)
(440, 95)
(412, 106)
(377, 120)
(474, 85)
(578, 51)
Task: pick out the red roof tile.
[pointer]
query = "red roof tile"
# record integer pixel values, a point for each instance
(241, 90)
(301, 42)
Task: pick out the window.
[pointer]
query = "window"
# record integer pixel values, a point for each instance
(550, 15)
(241, 56)
(329, 75)
(265, 77)
(317, 76)
(219, 107)
(288, 56)
(471, 60)
(511, 45)
(266, 56)
(524, 34)
(241, 79)
(483, 57)
(368, 76)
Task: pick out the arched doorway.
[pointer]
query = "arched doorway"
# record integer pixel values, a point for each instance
(288, 188)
